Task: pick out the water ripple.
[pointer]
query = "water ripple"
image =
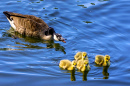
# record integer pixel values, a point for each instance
(93, 26)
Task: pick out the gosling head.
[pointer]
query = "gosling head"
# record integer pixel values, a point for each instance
(84, 55)
(74, 63)
(86, 63)
(107, 58)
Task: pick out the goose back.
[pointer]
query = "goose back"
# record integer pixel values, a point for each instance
(27, 24)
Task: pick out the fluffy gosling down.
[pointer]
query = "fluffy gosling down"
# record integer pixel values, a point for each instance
(67, 64)
(102, 60)
(83, 65)
(80, 55)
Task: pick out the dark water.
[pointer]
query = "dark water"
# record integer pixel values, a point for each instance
(94, 26)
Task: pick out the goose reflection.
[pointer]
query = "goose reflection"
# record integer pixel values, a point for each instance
(30, 42)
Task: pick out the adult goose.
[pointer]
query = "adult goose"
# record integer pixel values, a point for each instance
(33, 26)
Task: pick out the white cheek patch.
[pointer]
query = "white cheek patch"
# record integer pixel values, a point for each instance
(49, 37)
(55, 37)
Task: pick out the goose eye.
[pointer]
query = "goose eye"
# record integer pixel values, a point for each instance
(11, 18)
(59, 35)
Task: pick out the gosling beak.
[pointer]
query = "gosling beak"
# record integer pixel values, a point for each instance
(84, 57)
(74, 66)
(86, 65)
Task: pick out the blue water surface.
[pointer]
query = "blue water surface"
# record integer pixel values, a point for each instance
(94, 26)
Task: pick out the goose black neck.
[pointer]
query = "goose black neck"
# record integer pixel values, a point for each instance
(50, 31)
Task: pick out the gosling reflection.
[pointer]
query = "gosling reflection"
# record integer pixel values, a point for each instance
(72, 77)
(105, 72)
(85, 75)
(72, 74)
(49, 44)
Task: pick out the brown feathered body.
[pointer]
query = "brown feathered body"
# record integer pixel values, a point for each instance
(28, 25)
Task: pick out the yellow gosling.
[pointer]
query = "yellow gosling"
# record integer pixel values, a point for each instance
(85, 56)
(67, 64)
(83, 65)
(102, 60)
(80, 55)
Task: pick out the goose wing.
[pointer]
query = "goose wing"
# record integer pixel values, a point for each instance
(27, 24)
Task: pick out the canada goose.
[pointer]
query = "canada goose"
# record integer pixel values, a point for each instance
(67, 64)
(102, 60)
(83, 65)
(80, 55)
(33, 26)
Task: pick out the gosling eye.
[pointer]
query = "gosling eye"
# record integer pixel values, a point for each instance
(74, 63)
(11, 18)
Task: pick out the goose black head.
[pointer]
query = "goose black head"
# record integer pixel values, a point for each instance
(58, 37)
